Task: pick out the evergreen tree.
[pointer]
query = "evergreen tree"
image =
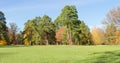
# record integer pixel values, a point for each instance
(76, 32)
(3, 28)
(85, 36)
(66, 18)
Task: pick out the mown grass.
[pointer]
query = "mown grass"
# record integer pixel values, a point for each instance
(60, 54)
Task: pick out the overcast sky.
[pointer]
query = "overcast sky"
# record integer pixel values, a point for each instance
(92, 12)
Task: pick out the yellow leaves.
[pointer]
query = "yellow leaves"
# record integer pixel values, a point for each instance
(25, 35)
(117, 37)
(97, 36)
(26, 42)
(2, 42)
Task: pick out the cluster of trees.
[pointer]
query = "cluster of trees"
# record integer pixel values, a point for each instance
(9, 35)
(67, 29)
(39, 31)
(110, 34)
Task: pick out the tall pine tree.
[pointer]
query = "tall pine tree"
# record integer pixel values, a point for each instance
(3, 28)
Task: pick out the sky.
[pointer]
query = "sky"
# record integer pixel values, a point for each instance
(92, 12)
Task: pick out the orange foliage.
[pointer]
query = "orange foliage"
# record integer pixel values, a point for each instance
(59, 34)
(2, 42)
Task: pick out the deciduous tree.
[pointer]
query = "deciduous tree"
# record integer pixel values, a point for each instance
(113, 16)
(47, 28)
(117, 37)
(14, 30)
(97, 36)
(110, 34)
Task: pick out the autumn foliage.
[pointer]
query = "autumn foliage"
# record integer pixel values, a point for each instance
(2, 42)
(67, 29)
(59, 35)
(117, 37)
(97, 36)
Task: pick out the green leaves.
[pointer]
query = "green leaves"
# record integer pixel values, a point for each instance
(39, 30)
(76, 31)
(2, 18)
(43, 30)
(47, 28)
(46, 23)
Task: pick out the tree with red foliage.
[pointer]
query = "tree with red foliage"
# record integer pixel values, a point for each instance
(59, 34)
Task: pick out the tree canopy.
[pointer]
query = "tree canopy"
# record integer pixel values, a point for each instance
(66, 29)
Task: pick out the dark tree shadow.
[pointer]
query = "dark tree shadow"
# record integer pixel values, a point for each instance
(108, 57)
(103, 57)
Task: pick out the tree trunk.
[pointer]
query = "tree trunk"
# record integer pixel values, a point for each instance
(46, 41)
(14, 39)
(69, 38)
(46, 38)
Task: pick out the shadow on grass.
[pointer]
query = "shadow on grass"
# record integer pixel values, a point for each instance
(104, 57)
(108, 57)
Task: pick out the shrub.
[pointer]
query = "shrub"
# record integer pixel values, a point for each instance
(2, 42)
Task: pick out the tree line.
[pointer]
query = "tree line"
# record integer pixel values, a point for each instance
(66, 29)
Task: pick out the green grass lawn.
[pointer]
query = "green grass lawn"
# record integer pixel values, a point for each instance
(60, 54)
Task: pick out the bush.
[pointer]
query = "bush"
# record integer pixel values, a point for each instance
(2, 42)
